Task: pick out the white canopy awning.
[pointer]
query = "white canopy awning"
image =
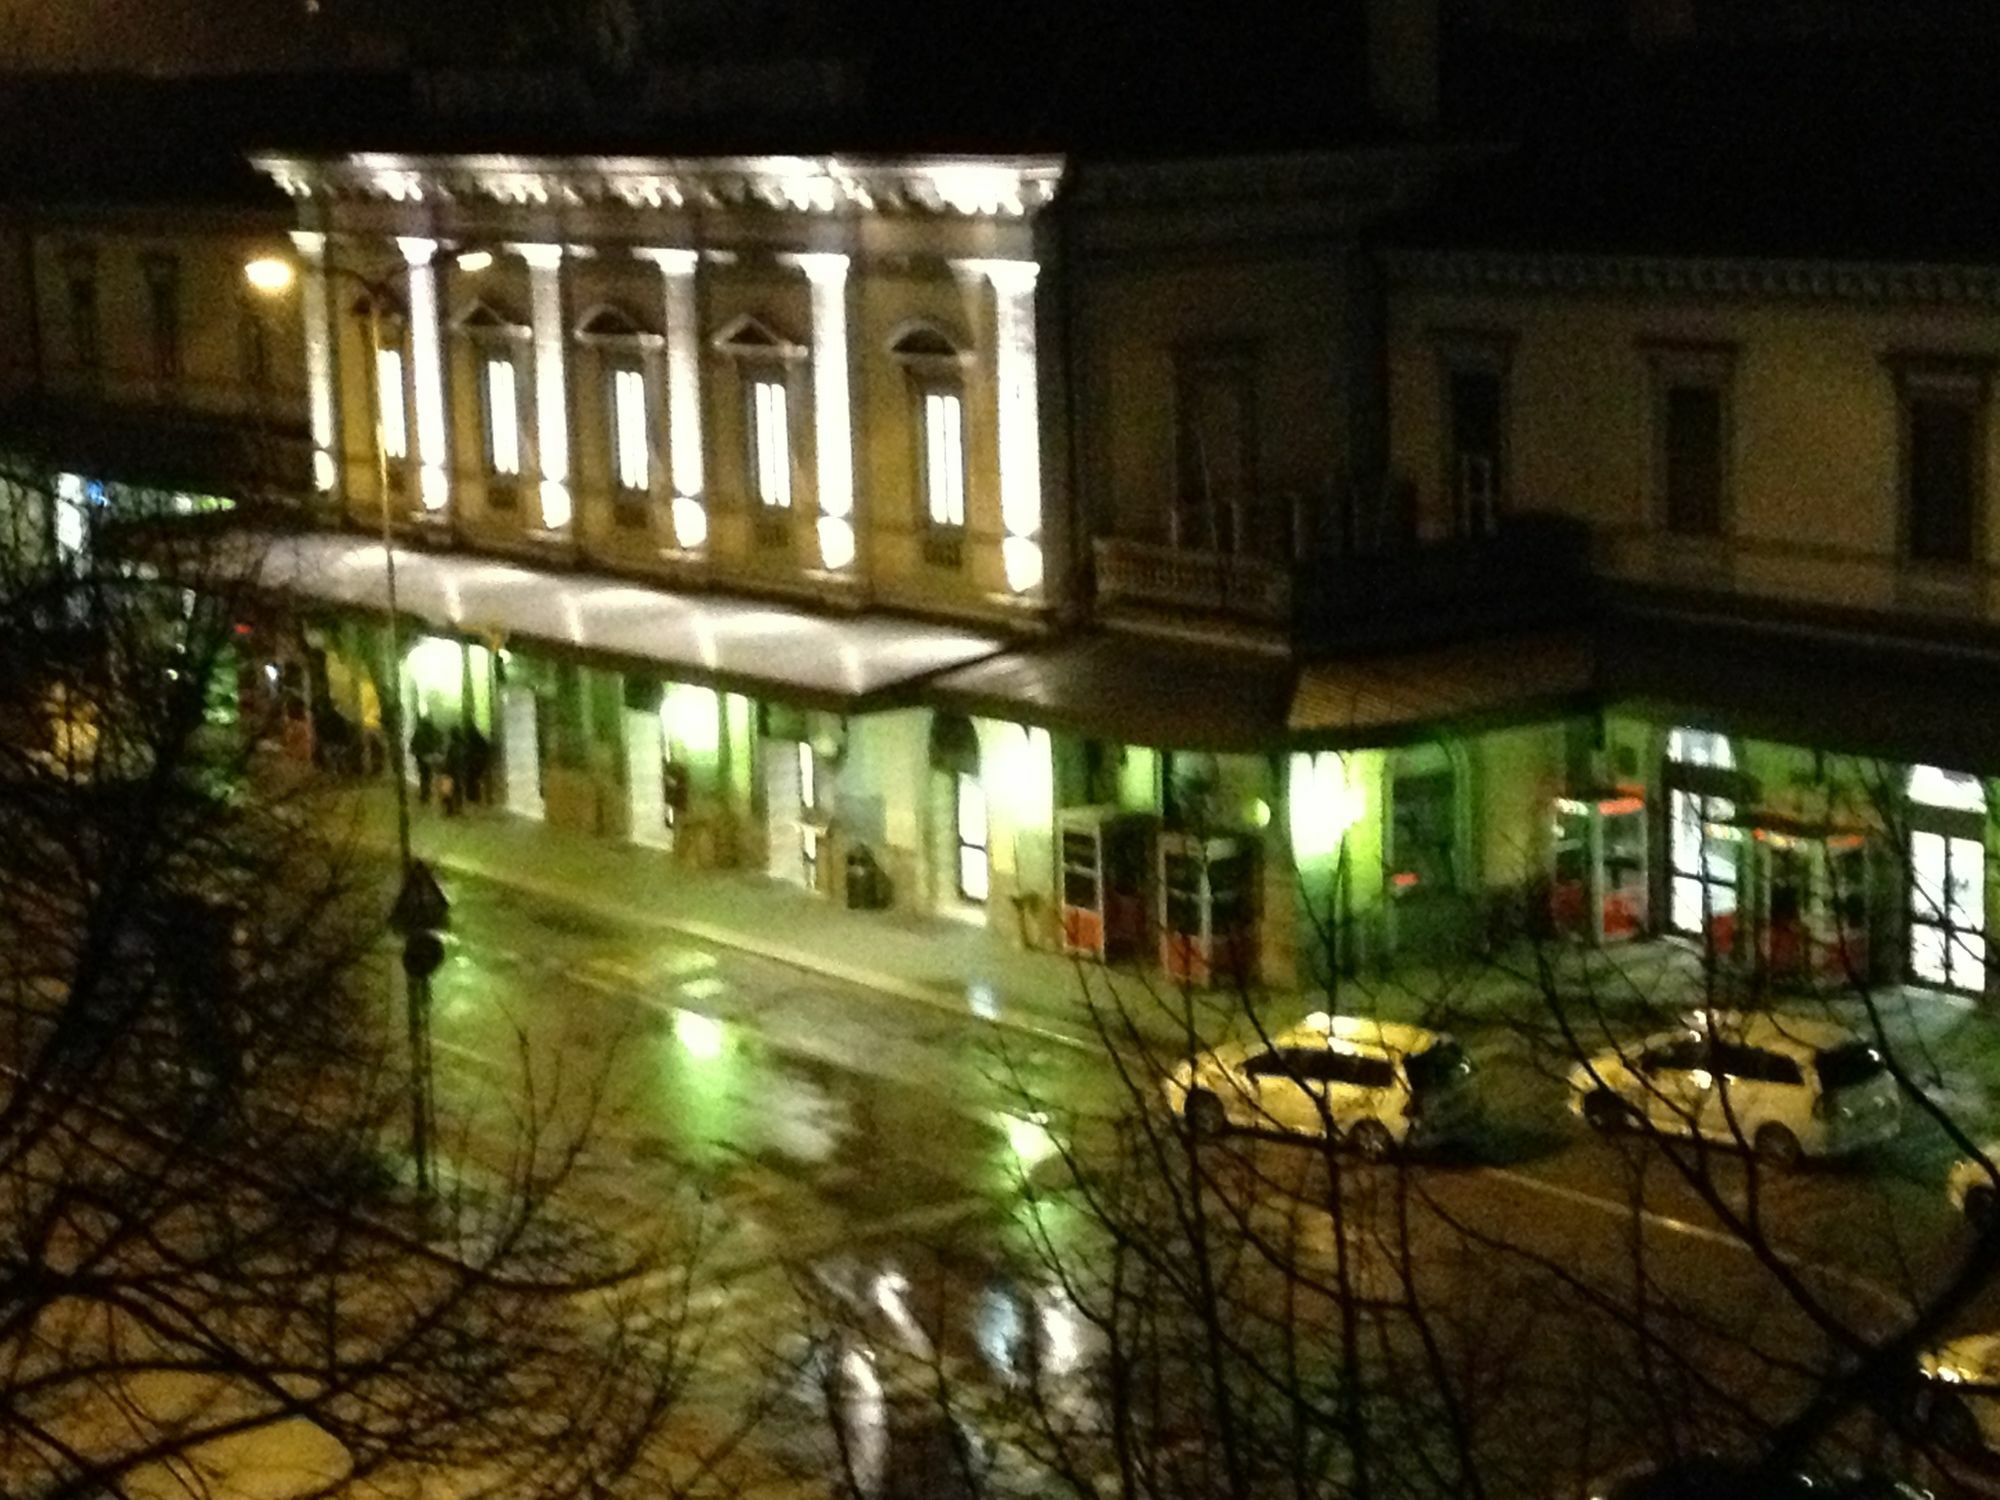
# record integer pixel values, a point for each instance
(839, 661)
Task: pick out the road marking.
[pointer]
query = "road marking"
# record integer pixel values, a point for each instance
(1703, 1233)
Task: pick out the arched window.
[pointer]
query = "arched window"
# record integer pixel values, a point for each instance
(1704, 846)
(497, 341)
(934, 362)
(761, 356)
(1947, 879)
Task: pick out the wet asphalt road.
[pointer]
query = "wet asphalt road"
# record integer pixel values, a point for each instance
(880, 1144)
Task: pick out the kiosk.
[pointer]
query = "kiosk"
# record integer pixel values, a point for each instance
(1597, 884)
(1808, 902)
(1107, 860)
(1207, 908)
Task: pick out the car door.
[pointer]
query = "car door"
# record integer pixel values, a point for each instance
(1285, 1088)
(1674, 1084)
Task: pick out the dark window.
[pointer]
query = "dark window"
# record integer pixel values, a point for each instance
(1755, 1065)
(83, 332)
(1364, 1072)
(1679, 1056)
(1693, 457)
(1478, 481)
(1942, 443)
(1849, 1064)
(1436, 1066)
(1215, 452)
(163, 301)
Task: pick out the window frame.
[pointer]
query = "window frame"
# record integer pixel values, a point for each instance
(397, 452)
(1963, 388)
(1234, 365)
(1481, 352)
(624, 346)
(83, 306)
(982, 848)
(163, 315)
(616, 368)
(764, 357)
(926, 391)
(491, 356)
(1677, 365)
(758, 379)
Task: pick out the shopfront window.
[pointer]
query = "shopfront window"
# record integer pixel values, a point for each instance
(974, 852)
(1423, 823)
(1947, 880)
(1704, 847)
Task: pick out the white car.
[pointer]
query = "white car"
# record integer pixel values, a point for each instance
(1972, 1190)
(1377, 1084)
(1786, 1086)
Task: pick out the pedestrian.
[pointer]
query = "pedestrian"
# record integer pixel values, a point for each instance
(426, 748)
(478, 763)
(451, 788)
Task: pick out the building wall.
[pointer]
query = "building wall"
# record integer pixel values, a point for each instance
(1813, 463)
(213, 335)
(916, 268)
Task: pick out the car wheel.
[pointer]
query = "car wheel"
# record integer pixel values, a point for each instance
(1982, 1209)
(1205, 1115)
(1372, 1140)
(1776, 1147)
(1604, 1110)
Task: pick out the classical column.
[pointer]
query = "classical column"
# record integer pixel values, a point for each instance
(833, 412)
(319, 357)
(684, 450)
(545, 314)
(1017, 417)
(427, 374)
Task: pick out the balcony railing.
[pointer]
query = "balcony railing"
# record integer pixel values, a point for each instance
(1151, 575)
(1533, 569)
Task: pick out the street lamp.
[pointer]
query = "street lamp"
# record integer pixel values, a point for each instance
(420, 905)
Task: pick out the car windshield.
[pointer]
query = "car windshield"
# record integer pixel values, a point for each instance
(1437, 1066)
(1848, 1064)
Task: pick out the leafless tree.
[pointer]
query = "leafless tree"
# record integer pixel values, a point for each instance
(212, 1264)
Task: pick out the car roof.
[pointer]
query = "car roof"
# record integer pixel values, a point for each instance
(1398, 1037)
(1778, 1031)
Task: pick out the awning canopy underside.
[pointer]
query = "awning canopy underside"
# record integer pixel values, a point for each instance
(846, 662)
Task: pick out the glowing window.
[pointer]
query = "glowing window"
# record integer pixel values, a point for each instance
(1700, 747)
(1947, 910)
(503, 418)
(944, 457)
(389, 392)
(974, 853)
(771, 442)
(628, 429)
(1952, 789)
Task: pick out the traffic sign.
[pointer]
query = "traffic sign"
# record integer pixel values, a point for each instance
(420, 904)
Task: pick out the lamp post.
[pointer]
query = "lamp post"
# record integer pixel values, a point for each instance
(420, 909)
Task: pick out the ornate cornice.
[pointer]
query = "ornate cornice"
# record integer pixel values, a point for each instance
(962, 187)
(1697, 276)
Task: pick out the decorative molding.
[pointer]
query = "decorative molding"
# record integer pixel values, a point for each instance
(997, 187)
(1696, 276)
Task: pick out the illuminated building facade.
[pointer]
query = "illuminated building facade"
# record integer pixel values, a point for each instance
(1135, 556)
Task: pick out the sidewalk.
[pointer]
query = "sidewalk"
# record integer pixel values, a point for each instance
(968, 971)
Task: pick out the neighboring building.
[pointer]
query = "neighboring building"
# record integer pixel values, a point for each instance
(1761, 381)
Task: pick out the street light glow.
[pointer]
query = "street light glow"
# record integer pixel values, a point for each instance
(269, 274)
(472, 262)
